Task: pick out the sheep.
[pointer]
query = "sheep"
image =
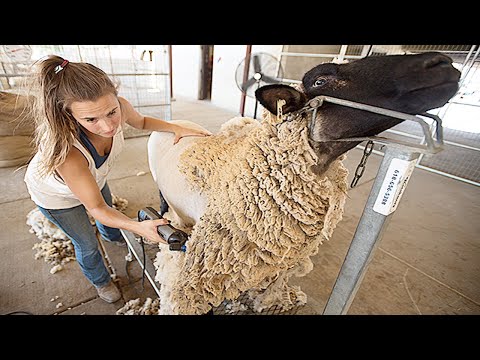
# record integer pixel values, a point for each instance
(259, 197)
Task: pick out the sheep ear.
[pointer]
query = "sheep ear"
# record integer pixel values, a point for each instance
(269, 94)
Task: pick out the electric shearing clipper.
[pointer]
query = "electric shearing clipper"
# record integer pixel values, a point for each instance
(175, 238)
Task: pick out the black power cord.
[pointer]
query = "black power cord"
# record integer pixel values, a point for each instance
(144, 259)
(19, 313)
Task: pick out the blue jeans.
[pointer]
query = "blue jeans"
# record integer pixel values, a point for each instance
(75, 224)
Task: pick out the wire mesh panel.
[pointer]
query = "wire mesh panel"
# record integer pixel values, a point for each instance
(461, 128)
(142, 71)
(296, 59)
(455, 160)
(460, 116)
(243, 305)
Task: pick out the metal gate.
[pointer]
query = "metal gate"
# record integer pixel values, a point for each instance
(460, 159)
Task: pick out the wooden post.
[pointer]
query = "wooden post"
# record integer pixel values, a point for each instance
(245, 78)
(170, 70)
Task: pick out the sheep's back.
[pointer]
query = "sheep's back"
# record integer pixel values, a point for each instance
(163, 160)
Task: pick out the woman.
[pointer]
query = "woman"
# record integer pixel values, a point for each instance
(79, 133)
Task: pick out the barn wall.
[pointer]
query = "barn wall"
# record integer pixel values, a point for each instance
(225, 93)
(185, 70)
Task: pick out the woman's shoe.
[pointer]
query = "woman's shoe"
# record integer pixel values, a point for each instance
(109, 292)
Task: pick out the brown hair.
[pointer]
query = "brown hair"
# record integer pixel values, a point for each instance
(55, 89)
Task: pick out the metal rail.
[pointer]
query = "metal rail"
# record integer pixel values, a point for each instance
(392, 179)
(433, 145)
(136, 249)
(390, 183)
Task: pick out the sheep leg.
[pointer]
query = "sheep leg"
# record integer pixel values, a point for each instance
(163, 204)
(278, 293)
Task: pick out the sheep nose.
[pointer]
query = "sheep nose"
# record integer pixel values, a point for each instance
(436, 60)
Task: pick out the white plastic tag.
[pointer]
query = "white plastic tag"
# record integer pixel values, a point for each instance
(393, 186)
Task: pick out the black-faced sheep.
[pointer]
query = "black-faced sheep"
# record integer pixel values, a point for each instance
(259, 197)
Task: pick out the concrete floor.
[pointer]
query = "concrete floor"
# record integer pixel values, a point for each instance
(428, 261)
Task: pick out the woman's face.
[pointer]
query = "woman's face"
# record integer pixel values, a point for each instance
(101, 117)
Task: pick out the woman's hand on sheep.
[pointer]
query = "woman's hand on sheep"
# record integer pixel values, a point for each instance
(183, 132)
(148, 229)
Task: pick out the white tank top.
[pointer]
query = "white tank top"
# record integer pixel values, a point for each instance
(51, 192)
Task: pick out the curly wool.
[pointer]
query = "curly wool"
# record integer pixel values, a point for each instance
(267, 212)
(54, 246)
(135, 307)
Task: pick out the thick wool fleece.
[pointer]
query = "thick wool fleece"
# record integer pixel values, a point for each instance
(267, 214)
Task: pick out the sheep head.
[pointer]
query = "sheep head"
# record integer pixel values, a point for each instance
(411, 84)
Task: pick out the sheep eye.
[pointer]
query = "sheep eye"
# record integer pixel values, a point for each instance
(320, 82)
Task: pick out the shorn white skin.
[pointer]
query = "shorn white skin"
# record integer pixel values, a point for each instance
(185, 205)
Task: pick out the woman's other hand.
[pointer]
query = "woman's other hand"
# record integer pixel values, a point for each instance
(183, 132)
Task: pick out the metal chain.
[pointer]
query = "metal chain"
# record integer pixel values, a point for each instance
(361, 167)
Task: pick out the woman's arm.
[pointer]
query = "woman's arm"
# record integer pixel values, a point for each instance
(139, 121)
(75, 173)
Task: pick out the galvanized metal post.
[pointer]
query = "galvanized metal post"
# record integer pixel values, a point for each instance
(390, 183)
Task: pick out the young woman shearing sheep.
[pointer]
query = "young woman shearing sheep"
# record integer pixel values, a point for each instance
(79, 133)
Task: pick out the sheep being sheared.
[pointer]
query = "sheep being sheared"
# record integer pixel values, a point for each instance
(260, 197)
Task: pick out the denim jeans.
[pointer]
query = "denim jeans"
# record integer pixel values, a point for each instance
(75, 224)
